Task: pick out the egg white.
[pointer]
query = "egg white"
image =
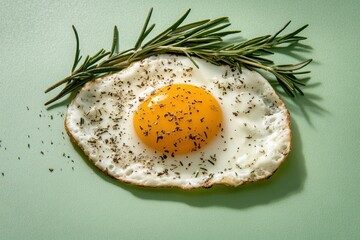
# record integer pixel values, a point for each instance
(254, 141)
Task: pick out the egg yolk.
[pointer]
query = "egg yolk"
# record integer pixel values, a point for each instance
(178, 119)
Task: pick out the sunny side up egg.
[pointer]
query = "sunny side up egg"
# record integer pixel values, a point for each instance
(162, 122)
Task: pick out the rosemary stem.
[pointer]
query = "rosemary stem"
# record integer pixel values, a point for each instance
(58, 84)
(202, 39)
(254, 64)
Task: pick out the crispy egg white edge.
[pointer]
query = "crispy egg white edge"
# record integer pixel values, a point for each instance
(283, 140)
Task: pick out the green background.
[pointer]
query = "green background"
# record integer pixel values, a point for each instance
(314, 194)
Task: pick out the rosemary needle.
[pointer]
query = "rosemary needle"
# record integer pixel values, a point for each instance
(203, 39)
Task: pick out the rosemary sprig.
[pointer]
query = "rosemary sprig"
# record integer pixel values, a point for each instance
(203, 39)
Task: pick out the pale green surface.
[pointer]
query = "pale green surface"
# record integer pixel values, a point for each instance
(314, 195)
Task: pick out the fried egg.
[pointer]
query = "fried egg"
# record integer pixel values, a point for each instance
(162, 122)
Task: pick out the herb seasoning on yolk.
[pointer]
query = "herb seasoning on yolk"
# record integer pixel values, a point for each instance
(178, 119)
